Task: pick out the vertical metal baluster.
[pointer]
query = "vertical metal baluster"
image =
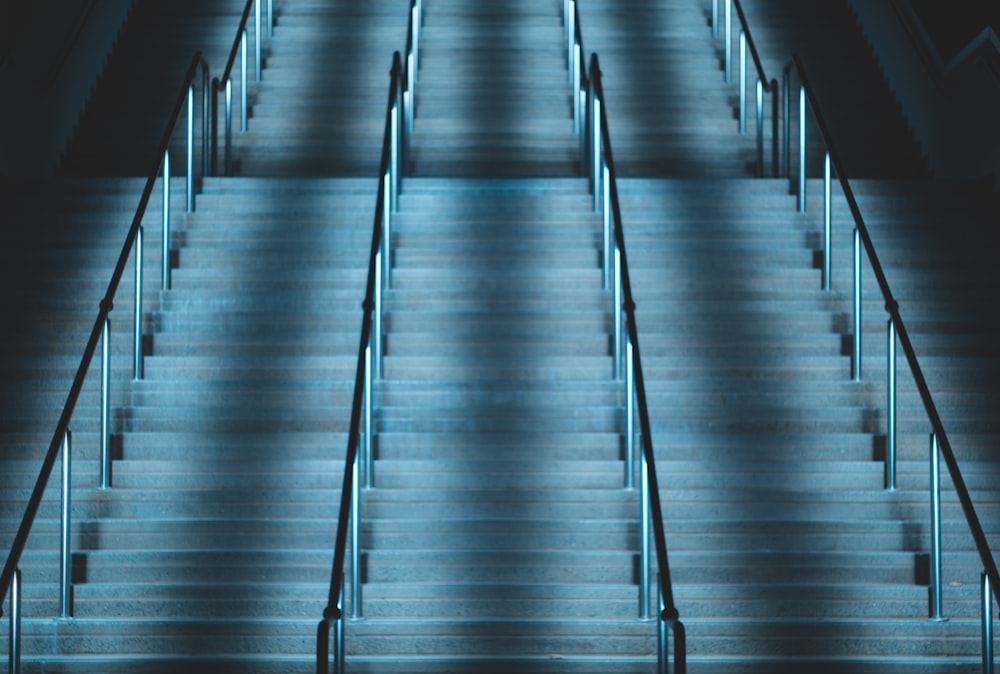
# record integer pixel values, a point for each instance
(936, 531)
(355, 540)
(729, 41)
(629, 417)
(190, 149)
(570, 35)
(644, 528)
(663, 644)
(165, 240)
(715, 19)
(987, 618)
(387, 228)
(369, 471)
(243, 81)
(827, 222)
(14, 666)
(415, 20)
(393, 204)
(597, 152)
(229, 127)
(206, 122)
(760, 128)
(270, 18)
(105, 404)
(257, 41)
(890, 436)
(802, 149)
(743, 82)
(617, 315)
(338, 632)
(65, 554)
(608, 255)
(575, 76)
(606, 202)
(137, 333)
(856, 350)
(786, 96)
(377, 315)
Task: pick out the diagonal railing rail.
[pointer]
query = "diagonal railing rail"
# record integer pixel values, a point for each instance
(940, 445)
(99, 336)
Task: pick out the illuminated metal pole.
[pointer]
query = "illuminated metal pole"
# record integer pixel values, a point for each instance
(629, 418)
(65, 555)
(987, 617)
(935, 531)
(369, 471)
(387, 227)
(243, 82)
(715, 19)
(270, 18)
(608, 255)
(743, 82)
(890, 441)
(137, 333)
(258, 39)
(229, 127)
(827, 222)
(617, 315)
(597, 151)
(856, 350)
(355, 541)
(190, 149)
(729, 41)
(338, 632)
(570, 35)
(165, 241)
(377, 315)
(760, 128)
(802, 149)
(105, 405)
(644, 530)
(14, 666)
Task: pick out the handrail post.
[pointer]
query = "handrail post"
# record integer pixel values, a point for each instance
(856, 350)
(715, 19)
(608, 255)
(338, 633)
(206, 122)
(393, 204)
(936, 531)
(415, 29)
(165, 242)
(575, 77)
(14, 646)
(760, 128)
(729, 41)
(355, 541)
(367, 454)
(229, 127)
(570, 35)
(137, 332)
(987, 618)
(617, 316)
(243, 82)
(644, 527)
(802, 149)
(190, 149)
(376, 337)
(106, 404)
(387, 231)
(270, 18)
(890, 435)
(786, 96)
(629, 417)
(827, 222)
(65, 554)
(257, 40)
(775, 161)
(597, 152)
(743, 82)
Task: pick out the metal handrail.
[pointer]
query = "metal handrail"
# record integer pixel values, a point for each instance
(668, 614)
(223, 84)
(764, 85)
(939, 442)
(98, 334)
(370, 338)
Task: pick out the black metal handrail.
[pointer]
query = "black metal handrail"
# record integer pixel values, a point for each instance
(221, 83)
(106, 304)
(334, 609)
(892, 308)
(669, 612)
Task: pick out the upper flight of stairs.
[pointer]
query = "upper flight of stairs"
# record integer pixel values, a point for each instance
(498, 536)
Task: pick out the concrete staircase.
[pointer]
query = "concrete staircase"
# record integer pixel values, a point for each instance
(498, 537)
